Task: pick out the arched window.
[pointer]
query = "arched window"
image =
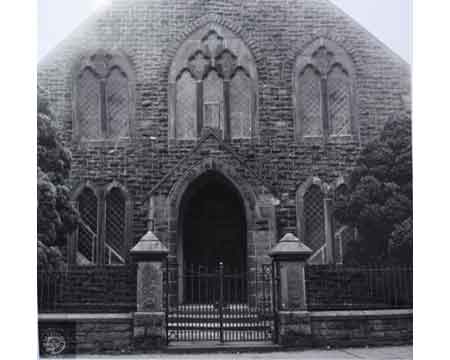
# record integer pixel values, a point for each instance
(104, 93)
(115, 239)
(324, 79)
(314, 217)
(86, 248)
(222, 92)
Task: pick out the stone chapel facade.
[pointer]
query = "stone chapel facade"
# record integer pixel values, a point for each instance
(219, 125)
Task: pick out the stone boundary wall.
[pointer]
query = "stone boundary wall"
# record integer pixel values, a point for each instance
(346, 328)
(89, 290)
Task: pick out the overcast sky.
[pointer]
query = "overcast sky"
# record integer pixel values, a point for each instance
(389, 20)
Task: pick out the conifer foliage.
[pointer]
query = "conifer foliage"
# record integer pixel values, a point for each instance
(56, 217)
(379, 203)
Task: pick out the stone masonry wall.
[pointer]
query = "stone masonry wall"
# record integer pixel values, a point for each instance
(150, 32)
(89, 290)
(346, 328)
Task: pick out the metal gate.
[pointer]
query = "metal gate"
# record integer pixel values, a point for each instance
(223, 306)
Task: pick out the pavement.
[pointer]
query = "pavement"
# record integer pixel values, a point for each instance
(375, 353)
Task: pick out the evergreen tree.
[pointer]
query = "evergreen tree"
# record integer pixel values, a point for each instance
(56, 217)
(379, 203)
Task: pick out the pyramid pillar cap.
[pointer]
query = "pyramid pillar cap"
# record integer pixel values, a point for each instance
(290, 248)
(149, 248)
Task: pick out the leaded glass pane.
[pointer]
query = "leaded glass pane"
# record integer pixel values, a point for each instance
(115, 227)
(89, 112)
(314, 218)
(87, 230)
(240, 103)
(310, 98)
(339, 102)
(186, 107)
(117, 104)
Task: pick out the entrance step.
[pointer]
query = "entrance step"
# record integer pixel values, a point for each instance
(198, 347)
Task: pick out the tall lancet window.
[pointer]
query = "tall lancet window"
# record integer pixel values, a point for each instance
(115, 227)
(314, 217)
(212, 85)
(89, 100)
(311, 102)
(87, 234)
(117, 104)
(186, 107)
(241, 105)
(339, 104)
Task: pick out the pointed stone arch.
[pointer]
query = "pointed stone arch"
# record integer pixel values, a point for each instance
(258, 204)
(247, 193)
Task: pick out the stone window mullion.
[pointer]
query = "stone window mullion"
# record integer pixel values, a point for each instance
(199, 107)
(226, 110)
(103, 111)
(324, 107)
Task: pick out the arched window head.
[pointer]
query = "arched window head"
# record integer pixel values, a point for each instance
(104, 97)
(87, 234)
(220, 90)
(115, 240)
(324, 92)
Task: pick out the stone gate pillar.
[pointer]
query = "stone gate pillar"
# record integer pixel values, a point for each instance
(290, 256)
(149, 319)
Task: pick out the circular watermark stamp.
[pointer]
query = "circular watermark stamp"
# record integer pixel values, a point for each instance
(53, 342)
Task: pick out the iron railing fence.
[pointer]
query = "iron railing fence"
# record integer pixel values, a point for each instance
(92, 289)
(339, 287)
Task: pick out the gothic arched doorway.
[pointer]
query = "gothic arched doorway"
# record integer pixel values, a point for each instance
(212, 229)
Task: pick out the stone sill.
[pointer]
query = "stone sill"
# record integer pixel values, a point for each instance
(81, 317)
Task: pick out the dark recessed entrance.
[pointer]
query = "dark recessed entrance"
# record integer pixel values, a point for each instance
(213, 230)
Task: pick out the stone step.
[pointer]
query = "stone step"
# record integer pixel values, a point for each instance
(183, 347)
